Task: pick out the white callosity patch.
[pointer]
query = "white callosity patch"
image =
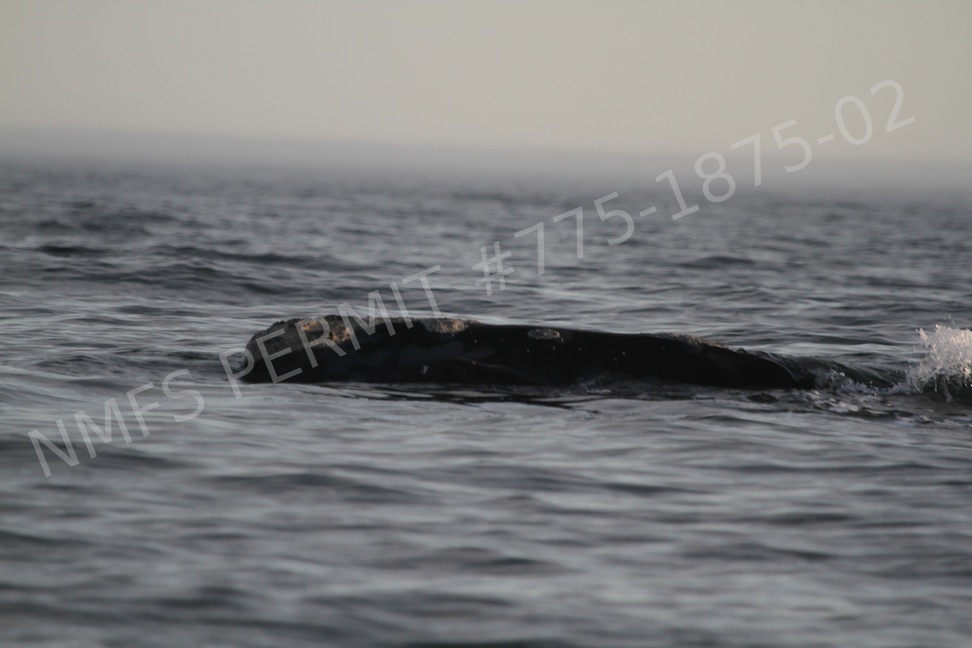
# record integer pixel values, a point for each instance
(283, 337)
(445, 325)
(331, 325)
(544, 334)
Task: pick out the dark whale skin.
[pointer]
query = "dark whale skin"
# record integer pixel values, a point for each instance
(447, 350)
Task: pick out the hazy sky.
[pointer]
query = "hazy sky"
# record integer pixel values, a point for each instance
(684, 77)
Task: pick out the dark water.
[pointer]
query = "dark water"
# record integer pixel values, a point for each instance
(397, 516)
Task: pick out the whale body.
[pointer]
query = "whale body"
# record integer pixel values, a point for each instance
(447, 350)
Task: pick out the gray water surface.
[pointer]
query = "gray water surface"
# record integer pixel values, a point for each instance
(393, 515)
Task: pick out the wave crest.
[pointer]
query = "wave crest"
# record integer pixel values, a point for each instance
(946, 368)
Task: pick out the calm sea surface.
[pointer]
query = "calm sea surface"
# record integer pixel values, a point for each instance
(371, 515)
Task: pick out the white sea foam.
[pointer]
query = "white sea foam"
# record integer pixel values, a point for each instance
(946, 367)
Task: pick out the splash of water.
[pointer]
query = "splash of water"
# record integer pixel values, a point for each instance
(946, 368)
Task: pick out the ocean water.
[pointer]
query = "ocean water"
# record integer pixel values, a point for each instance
(227, 514)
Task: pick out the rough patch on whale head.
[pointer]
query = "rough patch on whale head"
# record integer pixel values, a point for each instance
(445, 325)
(331, 325)
(544, 334)
(313, 329)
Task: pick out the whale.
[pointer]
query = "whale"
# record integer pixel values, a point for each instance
(335, 348)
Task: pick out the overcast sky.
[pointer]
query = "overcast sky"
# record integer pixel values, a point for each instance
(682, 77)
